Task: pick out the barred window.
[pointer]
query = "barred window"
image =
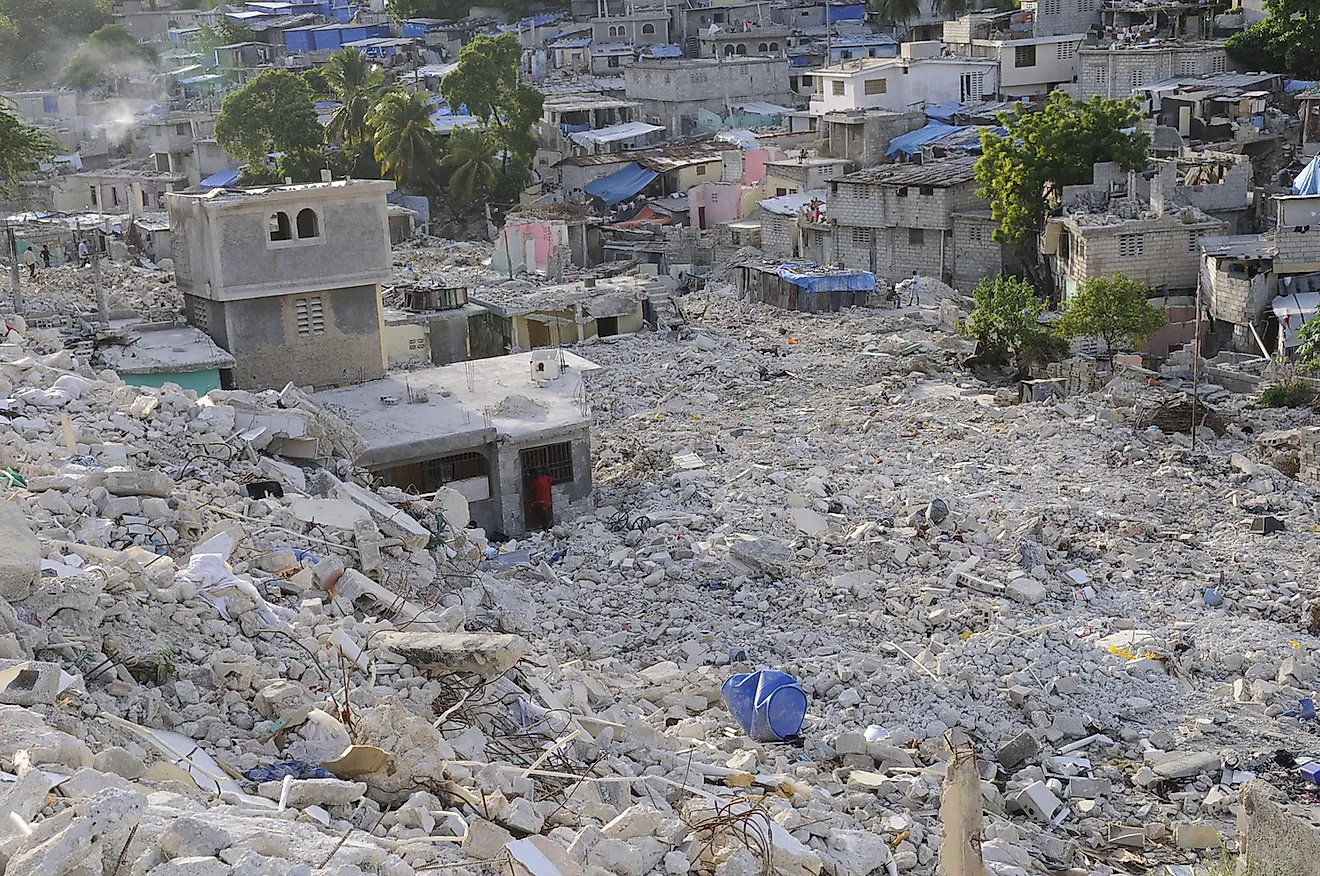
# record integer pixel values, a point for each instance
(861, 236)
(1131, 246)
(459, 467)
(1194, 241)
(556, 459)
(976, 234)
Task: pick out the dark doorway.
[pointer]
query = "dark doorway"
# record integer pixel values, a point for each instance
(607, 326)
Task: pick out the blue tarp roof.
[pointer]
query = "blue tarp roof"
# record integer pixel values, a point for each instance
(221, 180)
(911, 142)
(943, 111)
(1297, 85)
(805, 275)
(621, 184)
(664, 51)
(1308, 181)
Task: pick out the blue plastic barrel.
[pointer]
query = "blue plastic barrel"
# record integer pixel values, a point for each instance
(769, 704)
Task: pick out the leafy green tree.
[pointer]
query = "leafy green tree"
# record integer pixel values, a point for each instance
(315, 80)
(1307, 353)
(1114, 309)
(22, 147)
(226, 32)
(1022, 173)
(1005, 323)
(37, 36)
(897, 11)
(954, 8)
(473, 163)
(486, 81)
(405, 139)
(356, 84)
(110, 54)
(273, 112)
(1279, 44)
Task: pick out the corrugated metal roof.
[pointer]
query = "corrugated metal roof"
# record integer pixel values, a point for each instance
(937, 174)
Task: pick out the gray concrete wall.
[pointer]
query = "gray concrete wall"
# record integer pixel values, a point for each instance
(449, 340)
(508, 478)
(1273, 841)
(1115, 72)
(263, 337)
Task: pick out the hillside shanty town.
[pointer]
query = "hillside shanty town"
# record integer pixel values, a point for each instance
(660, 438)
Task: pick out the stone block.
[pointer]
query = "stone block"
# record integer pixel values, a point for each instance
(125, 482)
(315, 792)
(20, 554)
(484, 654)
(1197, 836)
(28, 683)
(1017, 750)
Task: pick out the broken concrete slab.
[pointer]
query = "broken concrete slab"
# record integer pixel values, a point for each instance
(315, 792)
(1017, 750)
(28, 682)
(541, 856)
(484, 654)
(396, 522)
(1269, 838)
(127, 482)
(20, 554)
(335, 513)
(1184, 765)
(769, 555)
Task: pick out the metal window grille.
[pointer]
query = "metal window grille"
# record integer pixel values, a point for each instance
(556, 459)
(1131, 246)
(459, 467)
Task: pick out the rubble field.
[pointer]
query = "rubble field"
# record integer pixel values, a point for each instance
(220, 658)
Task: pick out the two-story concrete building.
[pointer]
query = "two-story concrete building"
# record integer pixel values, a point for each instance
(287, 278)
(1029, 64)
(898, 84)
(897, 218)
(672, 91)
(1120, 69)
(639, 27)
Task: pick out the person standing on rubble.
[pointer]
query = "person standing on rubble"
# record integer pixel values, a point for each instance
(45, 254)
(30, 259)
(914, 299)
(83, 259)
(543, 509)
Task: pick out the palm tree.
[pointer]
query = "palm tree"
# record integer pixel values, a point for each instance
(356, 84)
(897, 11)
(404, 135)
(473, 160)
(954, 8)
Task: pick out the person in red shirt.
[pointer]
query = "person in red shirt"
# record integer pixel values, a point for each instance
(538, 485)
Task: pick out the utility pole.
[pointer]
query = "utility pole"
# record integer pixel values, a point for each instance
(16, 285)
(829, 36)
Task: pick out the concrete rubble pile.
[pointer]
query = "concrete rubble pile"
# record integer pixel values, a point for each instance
(69, 290)
(833, 496)
(223, 651)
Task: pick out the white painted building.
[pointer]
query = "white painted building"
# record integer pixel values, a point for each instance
(1029, 64)
(897, 84)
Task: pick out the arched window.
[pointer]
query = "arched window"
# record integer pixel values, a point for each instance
(616, 30)
(308, 223)
(648, 28)
(762, 48)
(774, 47)
(278, 227)
(742, 49)
(728, 50)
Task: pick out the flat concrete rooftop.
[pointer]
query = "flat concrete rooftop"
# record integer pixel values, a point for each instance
(468, 404)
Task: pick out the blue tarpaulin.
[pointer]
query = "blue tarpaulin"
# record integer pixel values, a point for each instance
(663, 51)
(1308, 181)
(911, 142)
(807, 276)
(621, 184)
(943, 111)
(222, 180)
